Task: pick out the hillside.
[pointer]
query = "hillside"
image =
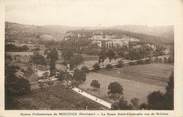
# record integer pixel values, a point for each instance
(32, 32)
(159, 34)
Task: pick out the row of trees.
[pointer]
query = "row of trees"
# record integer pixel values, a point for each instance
(14, 48)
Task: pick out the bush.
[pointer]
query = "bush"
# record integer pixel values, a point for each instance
(156, 60)
(147, 61)
(95, 84)
(131, 63)
(144, 106)
(135, 103)
(96, 66)
(122, 104)
(160, 60)
(109, 66)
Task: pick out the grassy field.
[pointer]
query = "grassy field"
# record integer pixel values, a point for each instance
(56, 98)
(156, 74)
(137, 81)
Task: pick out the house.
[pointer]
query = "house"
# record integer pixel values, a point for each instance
(110, 40)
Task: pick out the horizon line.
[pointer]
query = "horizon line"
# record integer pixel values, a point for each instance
(99, 25)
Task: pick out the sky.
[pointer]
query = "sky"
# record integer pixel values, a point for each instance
(90, 12)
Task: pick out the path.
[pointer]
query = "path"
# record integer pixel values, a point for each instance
(96, 99)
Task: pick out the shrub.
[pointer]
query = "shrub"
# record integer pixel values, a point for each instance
(147, 61)
(135, 103)
(95, 84)
(120, 64)
(140, 62)
(109, 66)
(96, 66)
(79, 75)
(131, 63)
(122, 104)
(144, 106)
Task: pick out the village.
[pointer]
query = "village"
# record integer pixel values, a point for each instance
(100, 69)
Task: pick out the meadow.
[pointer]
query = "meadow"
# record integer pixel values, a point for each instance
(137, 81)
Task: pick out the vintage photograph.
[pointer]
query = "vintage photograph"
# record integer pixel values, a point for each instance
(89, 55)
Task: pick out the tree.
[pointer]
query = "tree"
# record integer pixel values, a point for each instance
(159, 50)
(96, 66)
(85, 69)
(67, 54)
(60, 75)
(110, 54)
(169, 95)
(160, 60)
(79, 75)
(95, 84)
(38, 59)
(14, 85)
(115, 90)
(160, 101)
(156, 100)
(121, 104)
(52, 56)
(75, 61)
(102, 56)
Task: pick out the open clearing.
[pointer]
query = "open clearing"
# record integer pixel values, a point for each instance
(145, 81)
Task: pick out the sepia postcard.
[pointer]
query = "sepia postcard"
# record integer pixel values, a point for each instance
(91, 58)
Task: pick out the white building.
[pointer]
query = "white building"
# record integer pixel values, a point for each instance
(110, 41)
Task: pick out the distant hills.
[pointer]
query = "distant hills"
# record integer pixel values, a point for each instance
(164, 34)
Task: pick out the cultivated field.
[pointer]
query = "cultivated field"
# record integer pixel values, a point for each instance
(137, 81)
(56, 98)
